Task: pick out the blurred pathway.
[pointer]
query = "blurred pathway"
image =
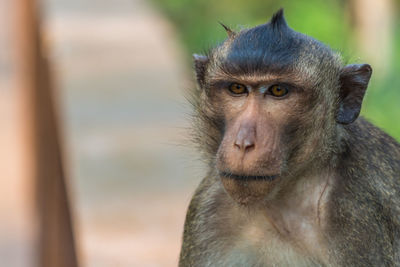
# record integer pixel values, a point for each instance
(15, 217)
(121, 83)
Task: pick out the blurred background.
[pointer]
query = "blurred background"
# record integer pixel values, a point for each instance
(120, 69)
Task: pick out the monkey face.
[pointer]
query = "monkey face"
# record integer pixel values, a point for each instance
(269, 105)
(252, 153)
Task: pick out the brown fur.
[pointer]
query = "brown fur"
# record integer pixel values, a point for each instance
(315, 186)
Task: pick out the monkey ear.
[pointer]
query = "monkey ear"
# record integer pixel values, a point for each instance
(200, 66)
(354, 82)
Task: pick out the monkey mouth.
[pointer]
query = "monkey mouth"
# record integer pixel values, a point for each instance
(242, 177)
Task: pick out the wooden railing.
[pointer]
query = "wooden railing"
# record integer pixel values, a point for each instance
(54, 242)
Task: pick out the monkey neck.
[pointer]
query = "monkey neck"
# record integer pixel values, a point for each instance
(298, 207)
(308, 188)
(297, 213)
(314, 174)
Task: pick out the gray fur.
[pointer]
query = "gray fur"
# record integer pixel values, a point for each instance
(361, 220)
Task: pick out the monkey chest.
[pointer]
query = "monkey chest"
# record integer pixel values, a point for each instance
(287, 241)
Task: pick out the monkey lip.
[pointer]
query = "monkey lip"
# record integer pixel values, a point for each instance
(243, 177)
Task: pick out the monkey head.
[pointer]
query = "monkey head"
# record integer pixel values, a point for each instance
(270, 105)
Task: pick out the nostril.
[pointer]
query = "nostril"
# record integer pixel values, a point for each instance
(245, 145)
(248, 144)
(238, 145)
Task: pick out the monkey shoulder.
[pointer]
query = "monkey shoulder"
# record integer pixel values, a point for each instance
(369, 167)
(365, 199)
(199, 241)
(372, 156)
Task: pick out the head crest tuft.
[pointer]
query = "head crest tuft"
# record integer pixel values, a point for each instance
(278, 20)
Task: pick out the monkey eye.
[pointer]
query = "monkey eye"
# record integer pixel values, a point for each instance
(237, 89)
(278, 90)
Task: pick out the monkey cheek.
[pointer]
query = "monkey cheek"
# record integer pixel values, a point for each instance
(247, 192)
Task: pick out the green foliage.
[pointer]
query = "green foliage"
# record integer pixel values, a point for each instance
(326, 20)
(197, 20)
(382, 103)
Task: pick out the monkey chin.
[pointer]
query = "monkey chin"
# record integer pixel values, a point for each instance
(247, 189)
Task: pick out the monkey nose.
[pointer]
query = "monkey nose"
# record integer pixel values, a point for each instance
(245, 139)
